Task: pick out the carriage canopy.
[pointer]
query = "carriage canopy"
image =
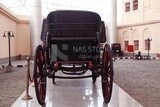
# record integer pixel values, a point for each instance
(69, 23)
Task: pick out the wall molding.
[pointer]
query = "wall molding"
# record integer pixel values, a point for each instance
(14, 58)
(138, 24)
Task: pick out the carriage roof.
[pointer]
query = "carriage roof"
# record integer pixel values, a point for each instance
(70, 17)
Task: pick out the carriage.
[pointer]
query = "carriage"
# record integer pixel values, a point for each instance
(116, 49)
(72, 43)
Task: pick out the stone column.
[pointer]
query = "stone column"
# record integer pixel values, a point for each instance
(35, 24)
(109, 15)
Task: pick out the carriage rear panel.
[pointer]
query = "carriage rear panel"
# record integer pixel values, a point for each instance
(86, 50)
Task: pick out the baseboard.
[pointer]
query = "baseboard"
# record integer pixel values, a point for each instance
(13, 58)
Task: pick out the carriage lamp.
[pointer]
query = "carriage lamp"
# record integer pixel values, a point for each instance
(149, 42)
(9, 34)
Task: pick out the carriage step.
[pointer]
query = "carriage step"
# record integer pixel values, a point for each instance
(73, 72)
(71, 77)
(73, 68)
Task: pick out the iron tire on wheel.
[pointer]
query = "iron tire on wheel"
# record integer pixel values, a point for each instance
(107, 74)
(40, 75)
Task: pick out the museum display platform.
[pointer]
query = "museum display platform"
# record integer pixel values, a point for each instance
(77, 93)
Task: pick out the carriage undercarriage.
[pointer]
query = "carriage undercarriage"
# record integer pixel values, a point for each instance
(43, 68)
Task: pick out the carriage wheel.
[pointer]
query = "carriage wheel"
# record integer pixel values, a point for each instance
(107, 74)
(39, 75)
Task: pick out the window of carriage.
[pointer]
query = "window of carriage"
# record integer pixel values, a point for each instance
(147, 45)
(136, 44)
(126, 45)
(135, 4)
(127, 7)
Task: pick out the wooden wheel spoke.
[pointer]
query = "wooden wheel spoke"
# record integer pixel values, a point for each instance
(39, 81)
(41, 92)
(109, 73)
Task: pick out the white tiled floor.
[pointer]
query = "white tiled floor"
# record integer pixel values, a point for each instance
(77, 93)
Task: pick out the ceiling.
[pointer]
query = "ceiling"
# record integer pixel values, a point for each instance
(20, 7)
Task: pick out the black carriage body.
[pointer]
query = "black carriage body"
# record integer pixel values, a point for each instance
(74, 36)
(116, 48)
(72, 45)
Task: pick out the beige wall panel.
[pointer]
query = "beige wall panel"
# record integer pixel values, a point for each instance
(143, 32)
(156, 37)
(20, 44)
(7, 24)
(148, 10)
(151, 10)
(23, 39)
(132, 17)
(135, 16)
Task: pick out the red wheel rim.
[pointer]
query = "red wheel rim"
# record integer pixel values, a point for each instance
(107, 74)
(40, 76)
